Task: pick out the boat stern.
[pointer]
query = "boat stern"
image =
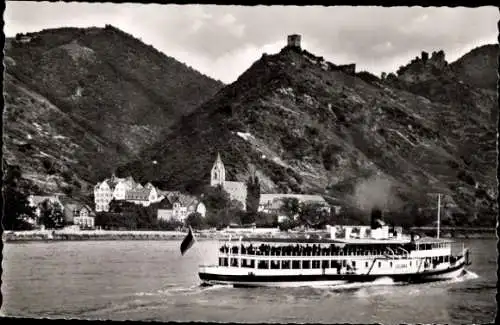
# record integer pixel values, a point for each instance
(466, 254)
(209, 274)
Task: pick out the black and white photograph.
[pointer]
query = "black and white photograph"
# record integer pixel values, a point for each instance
(250, 164)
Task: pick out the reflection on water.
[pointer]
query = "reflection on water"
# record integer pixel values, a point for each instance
(152, 281)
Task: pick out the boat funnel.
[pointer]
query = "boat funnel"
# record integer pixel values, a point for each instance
(376, 218)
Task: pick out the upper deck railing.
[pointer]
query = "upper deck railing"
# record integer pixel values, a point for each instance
(304, 247)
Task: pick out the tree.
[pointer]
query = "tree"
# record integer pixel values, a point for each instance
(51, 215)
(290, 207)
(17, 211)
(253, 194)
(215, 199)
(102, 219)
(195, 220)
(113, 220)
(171, 224)
(248, 218)
(313, 215)
(146, 217)
(131, 215)
(232, 213)
(288, 224)
(266, 219)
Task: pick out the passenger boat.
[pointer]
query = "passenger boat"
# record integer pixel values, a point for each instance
(351, 254)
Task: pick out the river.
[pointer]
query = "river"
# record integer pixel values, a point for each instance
(150, 280)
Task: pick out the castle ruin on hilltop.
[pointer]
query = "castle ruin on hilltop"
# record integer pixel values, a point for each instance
(294, 43)
(422, 68)
(294, 40)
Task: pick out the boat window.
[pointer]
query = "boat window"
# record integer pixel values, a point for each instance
(379, 264)
(295, 265)
(353, 263)
(306, 264)
(315, 264)
(325, 264)
(410, 263)
(248, 263)
(344, 263)
(275, 265)
(263, 265)
(366, 264)
(285, 264)
(390, 264)
(234, 262)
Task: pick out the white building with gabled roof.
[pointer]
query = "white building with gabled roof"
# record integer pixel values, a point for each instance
(126, 189)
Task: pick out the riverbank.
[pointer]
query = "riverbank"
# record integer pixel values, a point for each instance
(62, 235)
(81, 235)
(458, 232)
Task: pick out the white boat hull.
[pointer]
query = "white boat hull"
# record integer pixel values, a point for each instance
(319, 280)
(280, 284)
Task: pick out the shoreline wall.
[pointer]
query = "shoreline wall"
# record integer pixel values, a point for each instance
(96, 235)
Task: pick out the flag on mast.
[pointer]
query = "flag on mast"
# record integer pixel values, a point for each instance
(188, 241)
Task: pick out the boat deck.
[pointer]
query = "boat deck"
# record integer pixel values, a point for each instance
(360, 241)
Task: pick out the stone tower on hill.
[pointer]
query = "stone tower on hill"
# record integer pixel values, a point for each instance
(294, 40)
(237, 190)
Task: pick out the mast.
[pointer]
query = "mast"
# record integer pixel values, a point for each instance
(439, 214)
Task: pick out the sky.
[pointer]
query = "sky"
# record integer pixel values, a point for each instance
(223, 41)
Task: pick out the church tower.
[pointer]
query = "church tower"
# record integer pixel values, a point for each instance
(218, 174)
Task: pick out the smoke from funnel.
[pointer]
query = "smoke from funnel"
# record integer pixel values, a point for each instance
(375, 192)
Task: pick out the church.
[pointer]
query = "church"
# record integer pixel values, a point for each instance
(237, 190)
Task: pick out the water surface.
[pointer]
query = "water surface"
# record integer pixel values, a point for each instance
(150, 280)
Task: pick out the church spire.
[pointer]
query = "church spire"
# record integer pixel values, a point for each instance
(218, 174)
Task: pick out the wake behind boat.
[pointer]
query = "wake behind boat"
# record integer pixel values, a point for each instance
(370, 253)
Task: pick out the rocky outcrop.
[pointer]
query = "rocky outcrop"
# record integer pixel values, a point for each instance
(423, 68)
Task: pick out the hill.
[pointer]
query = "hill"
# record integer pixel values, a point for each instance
(309, 126)
(79, 102)
(479, 67)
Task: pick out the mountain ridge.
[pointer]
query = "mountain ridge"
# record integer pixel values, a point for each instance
(116, 90)
(304, 124)
(311, 130)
